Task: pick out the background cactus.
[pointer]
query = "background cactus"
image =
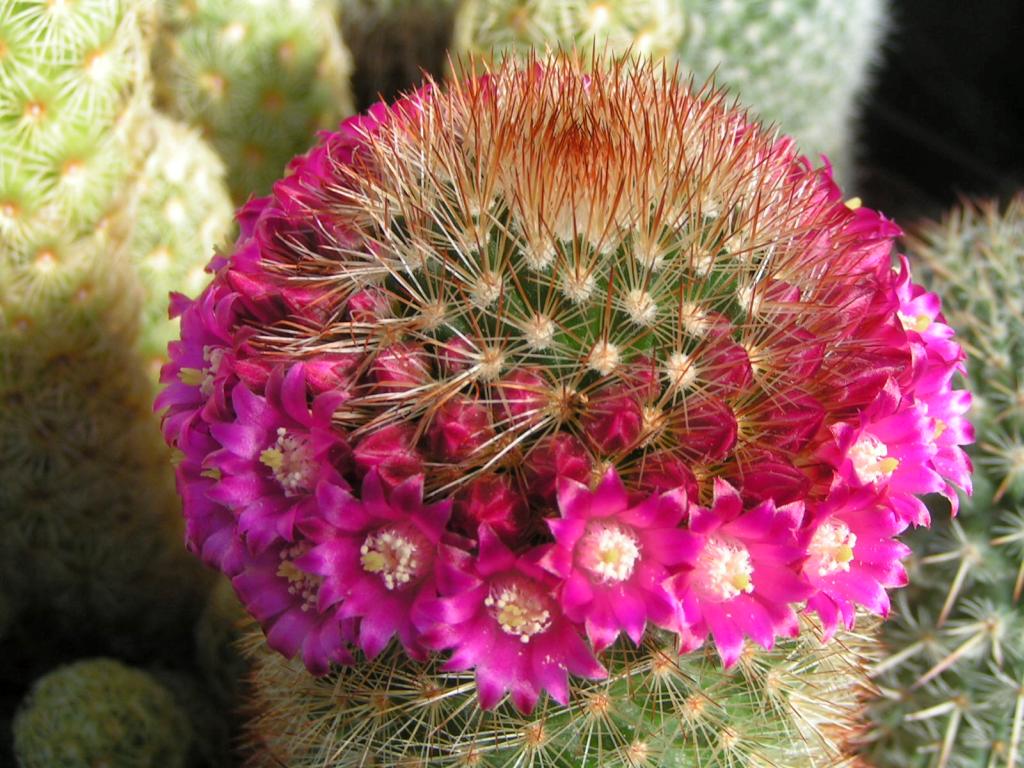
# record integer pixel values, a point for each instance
(393, 42)
(88, 516)
(795, 706)
(184, 212)
(99, 712)
(800, 63)
(257, 78)
(953, 677)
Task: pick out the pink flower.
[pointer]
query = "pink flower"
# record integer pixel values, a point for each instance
(275, 454)
(743, 578)
(852, 556)
(498, 616)
(376, 556)
(279, 588)
(613, 557)
(391, 451)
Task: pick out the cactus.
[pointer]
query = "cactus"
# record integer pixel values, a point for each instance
(218, 652)
(795, 705)
(393, 42)
(257, 78)
(184, 211)
(953, 678)
(510, 369)
(100, 712)
(800, 63)
(85, 492)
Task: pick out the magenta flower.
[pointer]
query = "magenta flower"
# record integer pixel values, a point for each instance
(852, 556)
(280, 589)
(275, 454)
(375, 555)
(613, 557)
(498, 616)
(743, 579)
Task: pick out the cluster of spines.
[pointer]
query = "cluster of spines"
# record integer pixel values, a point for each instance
(777, 57)
(257, 79)
(795, 705)
(953, 677)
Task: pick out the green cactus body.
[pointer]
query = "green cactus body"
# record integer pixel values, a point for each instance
(800, 63)
(100, 712)
(393, 42)
(792, 706)
(89, 525)
(73, 88)
(258, 78)
(184, 211)
(953, 680)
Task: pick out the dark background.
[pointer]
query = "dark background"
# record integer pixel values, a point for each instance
(944, 117)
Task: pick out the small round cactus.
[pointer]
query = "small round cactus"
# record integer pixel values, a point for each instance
(258, 78)
(100, 712)
(183, 211)
(795, 705)
(952, 678)
(800, 63)
(393, 42)
(511, 369)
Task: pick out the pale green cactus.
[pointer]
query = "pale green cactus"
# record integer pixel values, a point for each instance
(794, 706)
(258, 78)
(953, 680)
(73, 90)
(800, 63)
(100, 712)
(183, 212)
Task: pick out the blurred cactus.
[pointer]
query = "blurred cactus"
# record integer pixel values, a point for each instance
(217, 635)
(184, 211)
(100, 712)
(89, 535)
(258, 78)
(793, 706)
(953, 681)
(393, 42)
(800, 63)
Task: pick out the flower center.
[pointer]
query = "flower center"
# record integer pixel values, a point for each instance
(397, 556)
(919, 323)
(291, 462)
(520, 609)
(609, 552)
(301, 584)
(831, 548)
(203, 377)
(869, 459)
(724, 570)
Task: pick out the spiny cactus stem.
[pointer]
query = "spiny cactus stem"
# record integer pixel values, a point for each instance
(981, 630)
(896, 659)
(968, 555)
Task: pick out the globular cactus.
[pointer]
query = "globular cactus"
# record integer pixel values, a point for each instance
(88, 516)
(258, 79)
(393, 42)
(780, 57)
(99, 712)
(796, 706)
(513, 368)
(953, 679)
(183, 212)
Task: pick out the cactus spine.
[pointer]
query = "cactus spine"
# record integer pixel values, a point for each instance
(800, 63)
(257, 78)
(953, 679)
(795, 705)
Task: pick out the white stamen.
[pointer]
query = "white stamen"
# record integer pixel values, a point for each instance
(291, 463)
(724, 570)
(609, 552)
(520, 609)
(300, 583)
(870, 463)
(831, 548)
(394, 556)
